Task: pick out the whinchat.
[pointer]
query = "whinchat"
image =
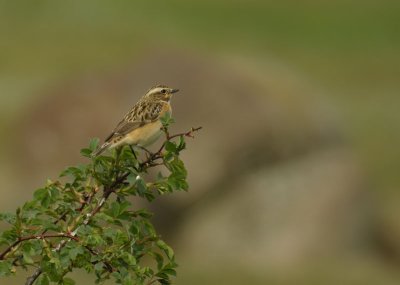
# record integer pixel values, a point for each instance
(141, 126)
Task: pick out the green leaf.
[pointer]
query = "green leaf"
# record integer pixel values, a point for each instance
(129, 258)
(141, 186)
(5, 267)
(169, 271)
(40, 194)
(164, 278)
(99, 266)
(93, 144)
(75, 251)
(123, 206)
(47, 196)
(27, 253)
(166, 248)
(167, 120)
(128, 280)
(149, 196)
(86, 152)
(143, 213)
(114, 209)
(42, 280)
(9, 236)
(72, 171)
(159, 259)
(7, 217)
(170, 146)
(182, 143)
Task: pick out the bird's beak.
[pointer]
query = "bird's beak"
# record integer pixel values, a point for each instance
(174, 91)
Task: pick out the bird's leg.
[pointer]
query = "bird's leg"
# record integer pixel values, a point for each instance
(133, 152)
(136, 159)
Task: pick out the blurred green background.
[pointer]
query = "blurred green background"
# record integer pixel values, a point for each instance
(341, 55)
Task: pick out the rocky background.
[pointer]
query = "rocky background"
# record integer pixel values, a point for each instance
(294, 175)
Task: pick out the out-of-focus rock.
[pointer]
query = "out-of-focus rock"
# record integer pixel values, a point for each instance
(279, 216)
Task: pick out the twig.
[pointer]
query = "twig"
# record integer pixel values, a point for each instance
(107, 265)
(31, 279)
(42, 236)
(158, 154)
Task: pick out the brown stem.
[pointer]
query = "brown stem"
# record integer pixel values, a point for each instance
(42, 236)
(31, 279)
(107, 265)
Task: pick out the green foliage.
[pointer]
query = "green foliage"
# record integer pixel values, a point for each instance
(87, 220)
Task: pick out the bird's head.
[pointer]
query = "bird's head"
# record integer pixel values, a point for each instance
(160, 92)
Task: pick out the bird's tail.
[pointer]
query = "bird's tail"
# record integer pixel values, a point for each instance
(101, 149)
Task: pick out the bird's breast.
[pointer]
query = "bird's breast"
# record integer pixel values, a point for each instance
(145, 135)
(166, 109)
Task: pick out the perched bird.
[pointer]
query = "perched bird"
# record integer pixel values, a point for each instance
(141, 126)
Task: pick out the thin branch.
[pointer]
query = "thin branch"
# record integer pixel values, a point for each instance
(31, 279)
(107, 265)
(42, 236)
(158, 154)
(189, 134)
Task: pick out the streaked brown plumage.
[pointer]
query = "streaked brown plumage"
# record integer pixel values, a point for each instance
(141, 125)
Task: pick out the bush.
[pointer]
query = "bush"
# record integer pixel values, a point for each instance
(89, 221)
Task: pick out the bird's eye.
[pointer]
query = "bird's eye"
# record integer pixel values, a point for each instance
(163, 91)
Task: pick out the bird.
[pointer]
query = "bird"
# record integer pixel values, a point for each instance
(142, 125)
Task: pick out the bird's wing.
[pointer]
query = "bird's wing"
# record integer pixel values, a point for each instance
(123, 128)
(140, 115)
